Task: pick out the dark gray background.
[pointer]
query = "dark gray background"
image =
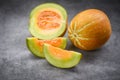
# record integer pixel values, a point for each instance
(17, 63)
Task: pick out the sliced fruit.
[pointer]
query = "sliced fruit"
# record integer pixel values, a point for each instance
(48, 21)
(61, 58)
(36, 46)
(90, 29)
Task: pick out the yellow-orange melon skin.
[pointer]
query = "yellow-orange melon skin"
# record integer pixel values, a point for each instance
(89, 29)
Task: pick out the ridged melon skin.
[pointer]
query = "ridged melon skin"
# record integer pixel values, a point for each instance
(37, 32)
(37, 50)
(90, 29)
(62, 63)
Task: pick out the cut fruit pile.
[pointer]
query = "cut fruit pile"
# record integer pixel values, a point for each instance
(47, 23)
(88, 30)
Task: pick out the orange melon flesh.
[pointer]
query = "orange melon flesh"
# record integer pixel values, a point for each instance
(36, 46)
(61, 58)
(48, 19)
(55, 42)
(59, 53)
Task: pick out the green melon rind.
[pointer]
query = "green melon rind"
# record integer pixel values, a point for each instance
(64, 43)
(73, 61)
(35, 49)
(35, 30)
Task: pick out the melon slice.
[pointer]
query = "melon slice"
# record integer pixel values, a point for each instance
(48, 21)
(36, 46)
(61, 58)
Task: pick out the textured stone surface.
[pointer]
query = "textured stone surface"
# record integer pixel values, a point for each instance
(17, 63)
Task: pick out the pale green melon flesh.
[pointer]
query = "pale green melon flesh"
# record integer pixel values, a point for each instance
(65, 63)
(35, 30)
(35, 49)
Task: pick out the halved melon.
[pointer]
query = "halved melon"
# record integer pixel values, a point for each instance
(61, 58)
(48, 21)
(36, 46)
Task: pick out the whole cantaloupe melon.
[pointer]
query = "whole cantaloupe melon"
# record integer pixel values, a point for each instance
(90, 29)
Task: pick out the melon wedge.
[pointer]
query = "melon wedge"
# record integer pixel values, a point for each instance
(61, 58)
(36, 46)
(48, 21)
